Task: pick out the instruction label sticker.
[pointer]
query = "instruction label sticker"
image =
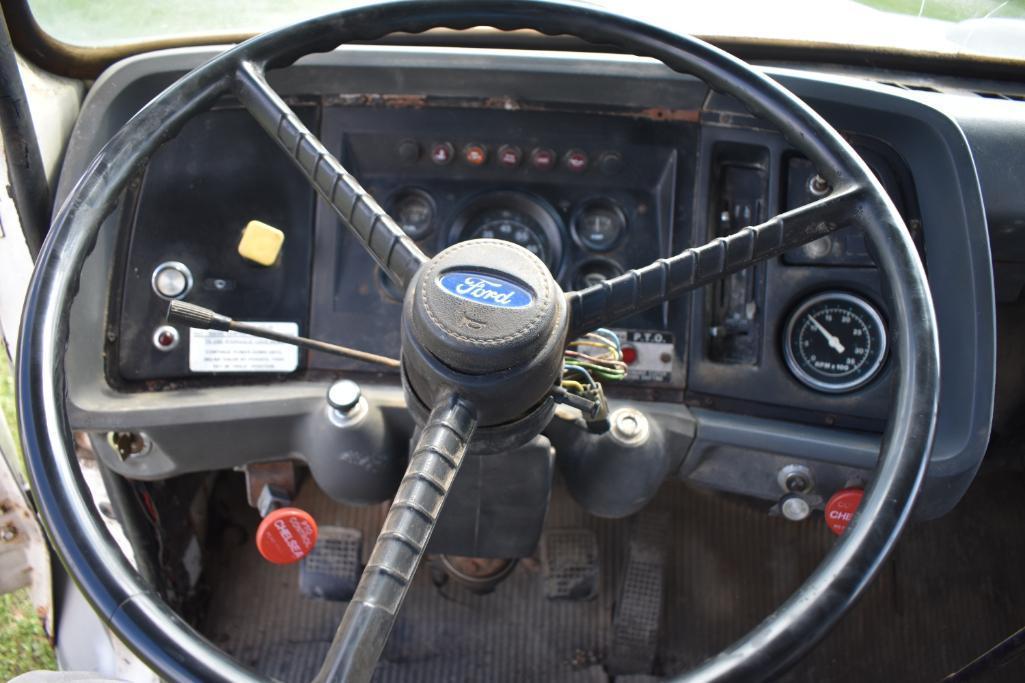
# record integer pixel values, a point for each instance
(219, 351)
(649, 355)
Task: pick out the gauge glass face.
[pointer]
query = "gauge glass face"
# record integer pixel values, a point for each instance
(600, 225)
(835, 342)
(512, 226)
(414, 213)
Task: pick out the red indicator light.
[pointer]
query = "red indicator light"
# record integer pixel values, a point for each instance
(475, 155)
(441, 153)
(543, 159)
(576, 160)
(509, 156)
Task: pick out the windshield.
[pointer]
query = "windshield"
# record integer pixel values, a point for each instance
(993, 28)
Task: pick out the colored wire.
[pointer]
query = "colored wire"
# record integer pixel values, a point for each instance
(604, 362)
(608, 334)
(567, 367)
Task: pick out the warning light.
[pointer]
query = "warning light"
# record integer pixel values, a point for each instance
(629, 355)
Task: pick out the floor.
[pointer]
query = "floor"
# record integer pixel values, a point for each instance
(953, 588)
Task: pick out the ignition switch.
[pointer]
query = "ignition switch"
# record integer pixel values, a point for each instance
(795, 479)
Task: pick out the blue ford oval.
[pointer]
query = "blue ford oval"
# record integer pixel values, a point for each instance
(486, 289)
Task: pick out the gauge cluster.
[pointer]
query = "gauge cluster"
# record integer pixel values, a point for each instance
(591, 196)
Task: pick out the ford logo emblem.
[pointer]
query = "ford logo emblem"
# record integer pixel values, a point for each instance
(486, 289)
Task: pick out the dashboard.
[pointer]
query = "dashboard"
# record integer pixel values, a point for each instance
(595, 163)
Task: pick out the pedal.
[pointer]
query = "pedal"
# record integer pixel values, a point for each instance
(332, 570)
(638, 612)
(569, 559)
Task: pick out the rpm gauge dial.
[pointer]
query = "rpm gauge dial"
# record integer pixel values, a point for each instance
(835, 342)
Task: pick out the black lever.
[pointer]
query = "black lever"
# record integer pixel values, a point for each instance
(184, 313)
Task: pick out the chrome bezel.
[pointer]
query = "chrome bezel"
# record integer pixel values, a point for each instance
(171, 265)
(865, 375)
(168, 329)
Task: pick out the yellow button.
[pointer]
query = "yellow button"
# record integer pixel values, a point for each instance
(261, 243)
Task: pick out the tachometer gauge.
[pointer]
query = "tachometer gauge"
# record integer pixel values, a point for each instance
(835, 342)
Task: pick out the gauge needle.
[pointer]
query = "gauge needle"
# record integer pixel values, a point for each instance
(833, 340)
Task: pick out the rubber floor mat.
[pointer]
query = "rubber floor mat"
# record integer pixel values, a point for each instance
(952, 589)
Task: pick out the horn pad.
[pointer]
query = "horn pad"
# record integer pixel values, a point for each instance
(486, 320)
(485, 306)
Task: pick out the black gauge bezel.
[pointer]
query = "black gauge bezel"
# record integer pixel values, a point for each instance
(531, 205)
(614, 268)
(864, 377)
(403, 192)
(583, 208)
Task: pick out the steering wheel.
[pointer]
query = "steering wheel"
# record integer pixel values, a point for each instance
(484, 326)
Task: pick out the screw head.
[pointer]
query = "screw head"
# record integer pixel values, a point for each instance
(818, 186)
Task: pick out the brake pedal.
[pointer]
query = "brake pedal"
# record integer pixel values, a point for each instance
(569, 558)
(638, 612)
(332, 570)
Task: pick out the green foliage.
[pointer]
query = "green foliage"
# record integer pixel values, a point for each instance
(7, 393)
(952, 10)
(23, 646)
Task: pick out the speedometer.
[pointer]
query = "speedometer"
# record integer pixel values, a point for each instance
(835, 342)
(515, 227)
(513, 217)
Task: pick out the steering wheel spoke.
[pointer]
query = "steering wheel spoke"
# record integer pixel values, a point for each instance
(667, 278)
(393, 250)
(407, 530)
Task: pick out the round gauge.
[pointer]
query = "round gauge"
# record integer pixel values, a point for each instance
(835, 342)
(599, 225)
(413, 210)
(594, 272)
(512, 217)
(512, 226)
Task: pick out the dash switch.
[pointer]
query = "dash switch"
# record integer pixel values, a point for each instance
(261, 243)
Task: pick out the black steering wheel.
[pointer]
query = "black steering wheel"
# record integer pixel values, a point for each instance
(483, 331)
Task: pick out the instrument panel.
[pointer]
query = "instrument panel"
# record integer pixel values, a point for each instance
(592, 195)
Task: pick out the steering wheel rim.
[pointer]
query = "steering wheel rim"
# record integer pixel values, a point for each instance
(170, 646)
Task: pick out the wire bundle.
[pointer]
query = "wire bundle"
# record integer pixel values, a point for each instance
(597, 356)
